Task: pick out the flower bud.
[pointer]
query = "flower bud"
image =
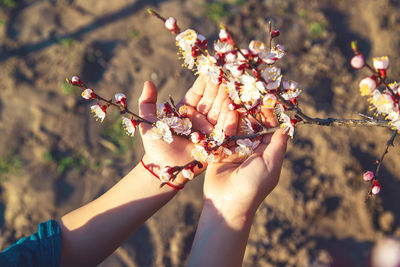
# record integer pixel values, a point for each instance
(188, 173)
(357, 62)
(165, 174)
(233, 106)
(183, 110)
(381, 62)
(368, 176)
(170, 24)
(275, 33)
(75, 80)
(88, 94)
(121, 99)
(196, 137)
(223, 35)
(367, 86)
(376, 187)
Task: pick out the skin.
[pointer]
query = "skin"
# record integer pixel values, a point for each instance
(92, 232)
(233, 190)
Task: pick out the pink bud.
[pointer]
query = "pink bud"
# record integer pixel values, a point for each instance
(357, 62)
(170, 24)
(121, 99)
(376, 187)
(223, 34)
(368, 176)
(75, 80)
(88, 94)
(275, 33)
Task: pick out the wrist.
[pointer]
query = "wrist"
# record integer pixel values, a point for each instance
(236, 216)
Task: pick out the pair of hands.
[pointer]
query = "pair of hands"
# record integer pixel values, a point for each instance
(233, 184)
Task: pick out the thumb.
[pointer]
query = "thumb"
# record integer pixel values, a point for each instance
(147, 104)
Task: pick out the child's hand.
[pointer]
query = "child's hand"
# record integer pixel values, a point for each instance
(203, 102)
(236, 187)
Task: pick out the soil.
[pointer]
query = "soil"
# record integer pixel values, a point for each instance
(54, 156)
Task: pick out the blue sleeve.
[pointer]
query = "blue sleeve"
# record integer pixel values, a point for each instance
(42, 248)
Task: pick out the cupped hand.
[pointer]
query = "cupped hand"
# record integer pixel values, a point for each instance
(237, 186)
(204, 101)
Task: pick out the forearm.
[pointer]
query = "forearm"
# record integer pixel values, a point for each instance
(221, 238)
(94, 231)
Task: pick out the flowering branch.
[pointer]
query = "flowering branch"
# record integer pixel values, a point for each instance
(374, 185)
(252, 83)
(99, 110)
(346, 122)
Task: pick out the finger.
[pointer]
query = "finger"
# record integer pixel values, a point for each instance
(213, 114)
(275, 152)
(231, 123)
(269, 118)
(208, 98)
(147, 104)
(199, 121)
(193, 96)
(223, 113)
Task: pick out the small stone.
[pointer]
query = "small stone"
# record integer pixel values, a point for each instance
(386, 220)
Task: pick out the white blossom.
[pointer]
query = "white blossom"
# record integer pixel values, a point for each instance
(188, 173)
(256, 47)
(292, 90)
(165, 175)
(162, 131)
(269, 101)
(246, 147)
(222, 47)
(367, 86)
(129, 127)
(218, 136)
(88, 94)
(234, 68)
(181, 126)
(99, 111)
(381, 62)
(286, 124)
(195, 137)
(199, 153)
(383, 102)
(251, 89)
(233, 92)
(186, 39)
(208, 68)
(272, 76)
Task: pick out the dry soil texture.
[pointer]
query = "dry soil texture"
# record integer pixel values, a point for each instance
(55, 157)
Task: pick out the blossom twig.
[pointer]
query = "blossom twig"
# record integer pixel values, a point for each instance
(345, 122)
(389, 143)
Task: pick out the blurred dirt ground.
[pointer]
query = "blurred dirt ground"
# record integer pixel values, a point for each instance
(54, 156)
